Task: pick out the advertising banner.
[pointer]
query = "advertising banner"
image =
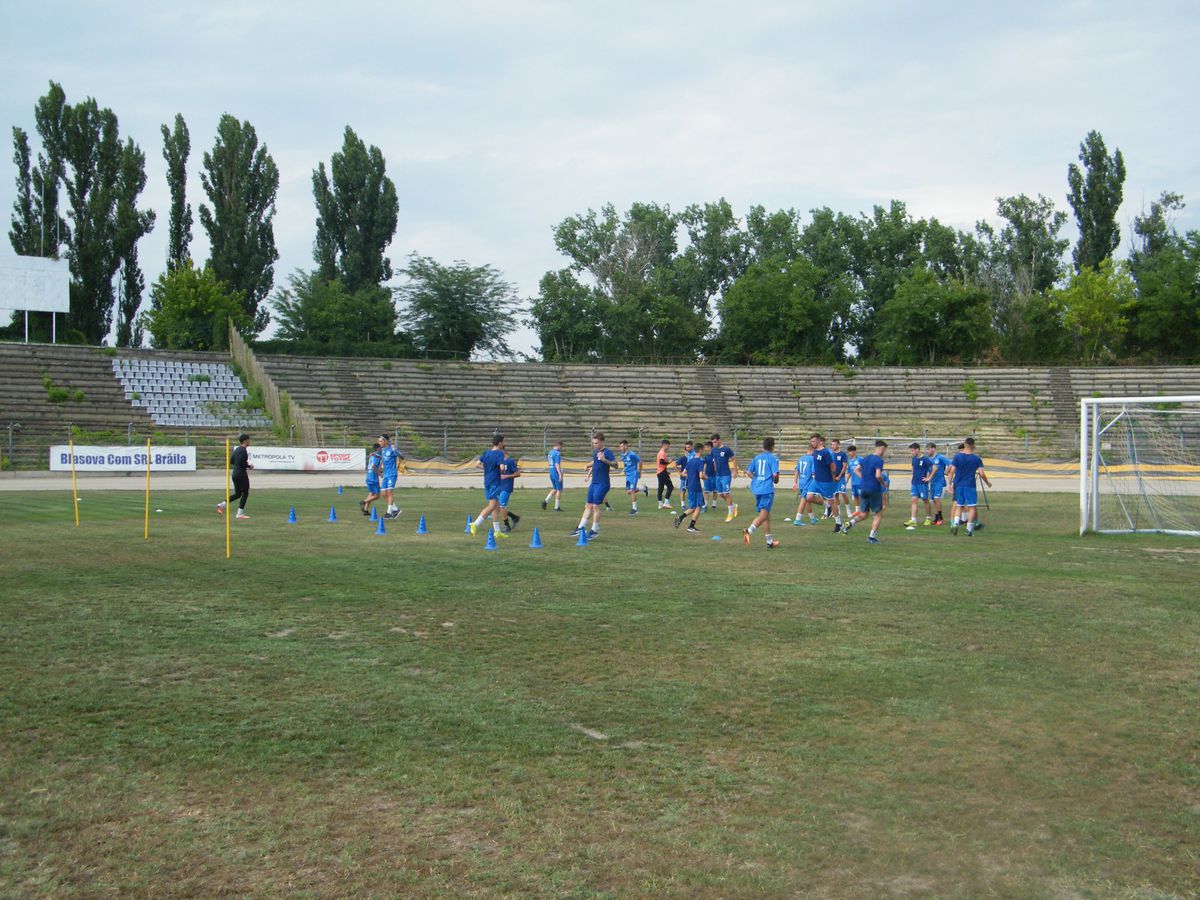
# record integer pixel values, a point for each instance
(122, 459)
(308, 459)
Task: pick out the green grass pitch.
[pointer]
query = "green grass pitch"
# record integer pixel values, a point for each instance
(337, 713)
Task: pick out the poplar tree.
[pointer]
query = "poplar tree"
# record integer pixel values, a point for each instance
(1095, 195)
(176, 147)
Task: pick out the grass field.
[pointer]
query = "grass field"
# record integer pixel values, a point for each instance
(335, 713)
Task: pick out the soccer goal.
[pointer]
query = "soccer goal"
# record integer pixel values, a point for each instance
(1139, 465)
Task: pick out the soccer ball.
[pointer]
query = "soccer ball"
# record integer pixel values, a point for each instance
(910, 528)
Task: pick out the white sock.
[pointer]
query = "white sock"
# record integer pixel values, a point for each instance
(872, 532)
(548, 496)
(751, 528)
(970, 526)
(595, 527)
(479, 521)
(635, 506)
(957, 521)
(583, 521)
(837, 520)
(770, 538)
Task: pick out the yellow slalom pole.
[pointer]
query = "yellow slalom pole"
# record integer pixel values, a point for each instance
(146, 533)
(228, 546)
(74, 484)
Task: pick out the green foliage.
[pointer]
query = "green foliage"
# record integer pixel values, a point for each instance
(109, 351)
(929, 321)
(253, 400)
(200, 378)
(457, 310)
(177, 146)
(191, 309)
(356, 216)
(83, 155)
(241, 181)
(55, 394)
(325, 315)
(773, 315)
(1165, 322)
(1095, 195)
(970, 390)
(1097, 304)
(1036, 331)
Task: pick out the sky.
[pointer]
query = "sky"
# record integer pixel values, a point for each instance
(500, 119)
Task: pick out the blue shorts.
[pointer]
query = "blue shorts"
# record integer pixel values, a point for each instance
(920, 490)
(491, 491)
(695, 500)
(723, 483)
(764, 501)
(389, 482)
(710, 485)
(825, 488)
(372, 485)
(872, 501)
(965, 495)
(504, 498)
(631, 484)
(556, 483)
(597, 493)
(854, 491)
(806, 488)
(936, 489)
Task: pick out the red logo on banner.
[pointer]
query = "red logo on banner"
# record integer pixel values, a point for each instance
(322, 457)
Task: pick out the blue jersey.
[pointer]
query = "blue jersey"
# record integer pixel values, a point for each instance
(492, 461)
(374, 465)
(508, 467)
(554, 458)
(854, 470)
(721, 457)
(681, 463)
(939, 477)
(600, 469)
(391, 457)
(804, 469)
(840, 458)
(921, 468)
(764, 469)
(965, 467)
(631, 461)
(822, 462)
(710, 466)
(693, 467)
(873, 476)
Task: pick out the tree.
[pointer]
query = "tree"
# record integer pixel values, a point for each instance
(1165, 321)
(24, 230)
(1095, 196)
(929, 321)
(241, 182)
(773, 314)
(191, 309)
(357, 214)
(324, 316)
(457, 310)
(132, 225)
(176, 148)
(566, 316)
(1097, 304)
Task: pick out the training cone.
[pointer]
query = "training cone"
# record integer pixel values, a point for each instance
(467, 530)
(339, 488)
(582, 542)
(292, 516)
(491, 544)
(536, 542)
(332, 514)
(374, 514)
(379, 529)
(421, 529)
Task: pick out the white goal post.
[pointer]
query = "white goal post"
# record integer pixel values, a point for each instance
(1139, 465)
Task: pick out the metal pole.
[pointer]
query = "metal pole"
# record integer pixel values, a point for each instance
(445, 441)
(12, 426)
(292, 434)
(129, 434)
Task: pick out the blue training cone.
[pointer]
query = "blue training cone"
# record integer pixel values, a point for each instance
(583, 540)
(421, 529)
(374, 514)
(536, 542)
(292, 516)
(491, 543)
(467, 530)
(332, 514)
(339, 488)
(379, 529)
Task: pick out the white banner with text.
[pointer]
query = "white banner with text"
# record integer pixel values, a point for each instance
(308, 459)
(122, 459)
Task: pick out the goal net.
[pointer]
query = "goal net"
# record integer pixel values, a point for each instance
(1139, 465)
